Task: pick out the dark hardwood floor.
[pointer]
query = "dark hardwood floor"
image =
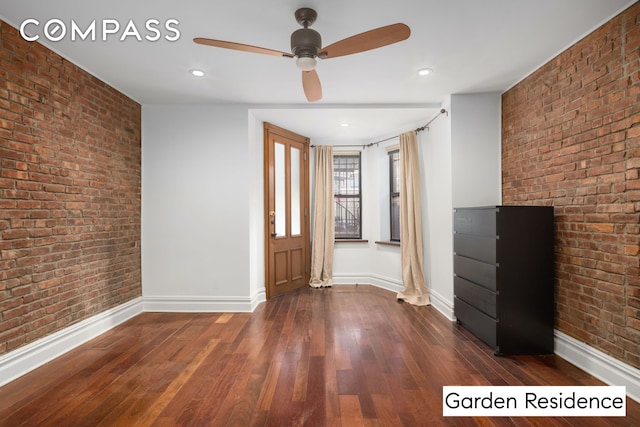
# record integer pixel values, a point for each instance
(346, 356)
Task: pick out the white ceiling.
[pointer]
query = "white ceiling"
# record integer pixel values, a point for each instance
(472, 46)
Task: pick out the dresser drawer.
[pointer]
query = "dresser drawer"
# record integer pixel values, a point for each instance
(481, 325)
(477, 247)
(477, 221)
(481, 298)
(475, 271)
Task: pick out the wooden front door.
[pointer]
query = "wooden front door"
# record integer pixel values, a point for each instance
(286, 213)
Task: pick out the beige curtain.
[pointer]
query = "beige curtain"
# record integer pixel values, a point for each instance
(323, 220)
(415, 286)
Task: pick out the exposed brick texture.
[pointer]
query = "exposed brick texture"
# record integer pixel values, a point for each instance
(69, 193)
(571, 139)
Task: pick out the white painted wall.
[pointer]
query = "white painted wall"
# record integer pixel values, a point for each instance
(437, 217)
(476, 149)
(196, 190)
(202, 232)
(385, 265)
(256, 208)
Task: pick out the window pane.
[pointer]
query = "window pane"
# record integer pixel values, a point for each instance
(395, 218)
(347, 217)
(280, 196)
(346, 187)
(346, 175)
(395, 171)
(295, 191)
(394, 194)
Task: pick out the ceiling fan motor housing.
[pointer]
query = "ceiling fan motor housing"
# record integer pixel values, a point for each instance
(305, 42)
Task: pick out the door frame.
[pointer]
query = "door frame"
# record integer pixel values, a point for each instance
(268, 175)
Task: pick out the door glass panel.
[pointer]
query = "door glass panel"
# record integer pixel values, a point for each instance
(280, 187)
(295, 192)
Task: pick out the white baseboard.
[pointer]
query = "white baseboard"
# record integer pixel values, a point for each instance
(442, 304)
(437, 301)
(364, 279)
(202, 304)
(33, 355)
(258, 297)
(602, 366)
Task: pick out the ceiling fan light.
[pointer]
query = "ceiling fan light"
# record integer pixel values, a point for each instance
(306, 63)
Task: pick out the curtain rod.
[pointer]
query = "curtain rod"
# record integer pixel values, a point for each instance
(371, 144)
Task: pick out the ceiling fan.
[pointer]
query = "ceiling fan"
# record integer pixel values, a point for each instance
(306, 46)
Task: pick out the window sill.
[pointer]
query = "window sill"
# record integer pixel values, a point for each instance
(387, 243)
(351, 241)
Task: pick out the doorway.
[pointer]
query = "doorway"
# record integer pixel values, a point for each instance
(286, 210)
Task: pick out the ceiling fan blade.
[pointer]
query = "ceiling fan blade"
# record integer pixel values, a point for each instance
(311, 85)
(368, 40)
(240, 46)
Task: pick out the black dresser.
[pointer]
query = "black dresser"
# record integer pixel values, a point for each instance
(503, 276)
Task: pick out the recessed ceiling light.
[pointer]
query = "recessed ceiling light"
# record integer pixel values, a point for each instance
(197, 73)
(344, 125)
(425, 71)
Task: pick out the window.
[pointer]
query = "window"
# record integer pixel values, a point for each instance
(394, 194)
(346, 189)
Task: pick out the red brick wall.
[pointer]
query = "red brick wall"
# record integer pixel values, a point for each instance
(571, 139)
(69, 193)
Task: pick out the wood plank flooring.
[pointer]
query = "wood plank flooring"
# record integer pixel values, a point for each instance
(346, 356)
